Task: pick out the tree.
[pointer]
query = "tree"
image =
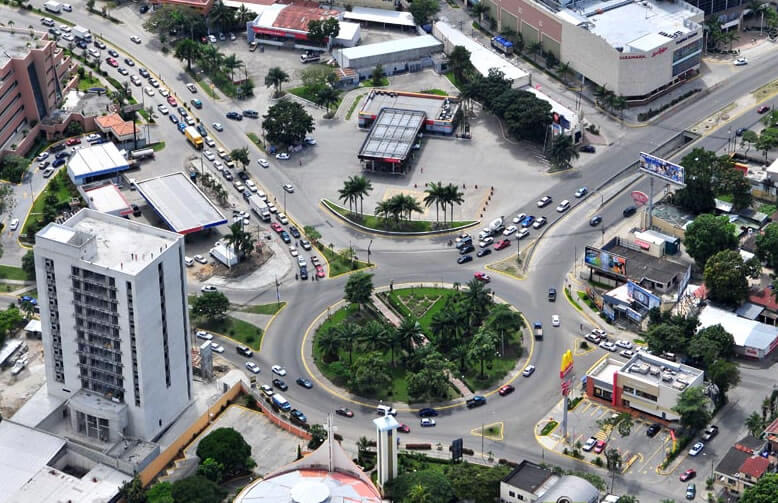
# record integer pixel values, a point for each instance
(359, 288)
(369, 374)
(329, 343)
(765, 143)
(748, 139)
(621, 422)
(613, 462)
(132, 491)
(475, 483)
(724, 375)
(211, 469)
(710, 344)
(755, 424)
(435, 194)
(477, 301)
(699, 193)
(327, 96)
(726, 278)
(765, 490)
(453, 196)
(438, 487)
(409, 333)
(418, 493)
(318, 436)
(28, 264)
(362, 187)
(287, 123)
(482, 348)
(459, 62)
(211, 305)
(708, 235)
(241, 155)
(161, 492)
(479, 9)
(275, 78)
(766, 246)
(187, 50)
(320, 31)
(526, 116)
(535, 48)
(90, 5)
(312, 233)
(431, 383)
(74, 128)
(196, 489)
(377, 77)
(230, 64)
(221, 15)
(562, 151)
(226, 446)
(424, 10)
(692, 407)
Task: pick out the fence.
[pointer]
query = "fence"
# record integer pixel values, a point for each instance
(279, 421)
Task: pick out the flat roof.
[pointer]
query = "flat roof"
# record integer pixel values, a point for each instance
(638, 26)
(49, 485)
(747, 333)
(179, 203)
(528, 476)
(25, 452)
(96, 160)
(430, 104)
(371, 15)
(348, 31)
(643, 266)
(392, 46)
(657, 371)
(108, 199)
(607, 371)
(15, 44)
(393, 134)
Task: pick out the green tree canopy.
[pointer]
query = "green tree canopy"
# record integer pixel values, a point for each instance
(726, 277)
(562, 151)
(370, 374)
(12, 167)
(708, 235)
(132, 491)
(723, 374)
(438, 488)
(197, 489)
(161, 492)
(459, 62)
(28, 264)
(424, 10)
(765, 491)
(187, 50)
(227, 447)
(698, 194)
(692, 406)
(710, 344)
(359, 288)
(211, 469)
(211, 305)
(473, 482)
(275, 78)
(767, 246)
(430, 383)
(287, 123)
(318, 436)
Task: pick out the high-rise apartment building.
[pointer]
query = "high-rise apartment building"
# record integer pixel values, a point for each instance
(115, 324)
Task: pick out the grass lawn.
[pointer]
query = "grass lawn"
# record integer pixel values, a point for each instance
(10, 272)
(768, 209)
(272, 308)
(439, 92)
(369, 83)
(353, 106)
(373, 222)
(246, 333)
(338, 263)
(87, 83)
(304, 93)
(727, 198)
(63, 193)
(158, 146)
(548, 428)
(256, 140)
(450, 76)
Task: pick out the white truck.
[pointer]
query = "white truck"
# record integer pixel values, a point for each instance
(225, 254)
(53, 6)
(497, 225)
(82, 33)
(260, 207)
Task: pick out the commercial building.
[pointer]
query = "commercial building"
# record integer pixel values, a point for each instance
(96, 162)
(121, 131)
(203, 6)
(645, 384)
(381, 16)
(530, 483)
(286, 25)
(387, 147)
(106, 198)
(440, 112)
(115, 325)
(752, 338)
(411, 54)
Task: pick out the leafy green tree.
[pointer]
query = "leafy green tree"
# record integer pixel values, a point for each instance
(187, 50)
(132, 491)
(74, 128)
(359, 288)
(327, 96)
(459, 62)
(424, 10)
(767, 246)
(726, 277)
(378, 74)
(438, 487)
(312, 234)
(370, 375)
(765, 143)
(9, 319)
(211, 305)
(329, 343)
(482, 348)
(28, 264)
(90, 5)
(319, 31)
(707, 235)
(562, 151)
(435, 194)
(13, 167)
(430, 384)
(765, 490)
(692, 407)
(627, 499)
(748, 139)
(363, 447)
(318, 436)
(755, 424)
(479, 9)
(347, 333)
(196, 489)
(211, 469)
(723, 374)
(287, 123)
(710, 344)
(161, 492)
(527, 117)
(698, 194)
(227, 447)
(613, 462)
(230, 64)
(241, 155)
(275, 78)
(221, 15)
(474, 482)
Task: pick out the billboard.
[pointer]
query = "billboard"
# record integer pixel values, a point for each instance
(605, 261)
(658, 167)
(642, 296)
(639, 197)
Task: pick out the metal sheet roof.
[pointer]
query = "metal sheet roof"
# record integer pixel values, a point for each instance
(393, 134)
(96, 160)
(380, 16)
(392, 47)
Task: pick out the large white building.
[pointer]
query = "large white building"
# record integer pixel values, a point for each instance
(115, 324)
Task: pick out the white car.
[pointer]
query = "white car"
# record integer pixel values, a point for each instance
(202, 334)
(218, 126)
(267, 390)
(188, 261)
(232, 36)
(563, 206)
(555, 320)
(544, 201)
(599, 332)
(67, 7)
(282, 218)
(164, 92)
(511, 229)
(427, 422)
(217, 348)
(289, 187)
(283, 156)
(209, 155)
(192, 88)
(208, 289)
(189, 120)
(135, 39)
(68, 37)
(310, 140)
(162, 109)
(528, 371)
(201, 259)
(696, 449)
(251, 185)
(212, 39)
(279, 370)
(221, 152)
(293, 251)
(301, 262)
(608, 346)
(94, 53)
(741, 61)
(14, 224)
(518, 218)
(272, 208)
(486, 241)
(624, 344)
(149, 90)
(263, 163)
(627, 353)
(253, 367)
(209, 141)
(42, 156)
(523, 233)
(92, 137)
(262, 195)
(218, 166)
(589, 445)
(135, 80)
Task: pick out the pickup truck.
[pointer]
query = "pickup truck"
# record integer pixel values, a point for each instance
(710, 432)
(476, 401)
(538, 327)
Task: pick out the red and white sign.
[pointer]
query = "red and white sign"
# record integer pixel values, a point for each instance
(643, 244)
(639, 197)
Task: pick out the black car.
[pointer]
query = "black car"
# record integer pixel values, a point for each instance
(243, 175)
(653, 430)
(59, 162)
(62, 154)
(294, 232)
(428, 412)
(246, 194)
(129, 62)
(245, 351)
(303, 275)
(285, 237)
(99, 44)
(113, 53)
(227, 175)
(305, 383)
(144, 8)
(595, 221)
(143, 73)
(278, 383)
(343, 411)
(476, 401)
(739, 131)
(483, 252)
(135, 210)
(552, 294)
(629, 211)
(234, 116)
(589, 149)
(298, 416)
(468, 248)
(464, 259)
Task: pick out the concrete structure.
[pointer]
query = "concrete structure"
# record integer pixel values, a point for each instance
(742, 466)
(115, 325)
(106, 198)
(286, 25)
(179, 203)
(411, 54)
(201, 5)
(752, 338)
(387, 148)
(386, 445)
(96, 162)
(646, 384)
(380, 16)
(440, 111)
(32, 76)
(530, 483)
(482, 58)
(565, 121)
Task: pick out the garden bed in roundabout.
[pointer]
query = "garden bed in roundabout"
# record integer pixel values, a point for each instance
(457, 331)
(395, 223)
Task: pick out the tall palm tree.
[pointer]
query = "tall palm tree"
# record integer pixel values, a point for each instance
(348, 193)
(231, 63)
(409, 333)
(481, 348)
(477, 299)
(362, 187)
(393, 340)
(243, 16)
(383, 209)
(479, 10)
(410, 205)
(275, 77)
(326, 97)
(235, 237)
(329, 343)
(564, 71)
(395, 207)
(503, 319)
(348, 332)
(434, 193)
(373, 335)
(221, 15)
(454, 196)
(211, 57)
(535, 48)
(562, 151)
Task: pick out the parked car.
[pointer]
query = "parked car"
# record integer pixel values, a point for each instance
(208, 289)
(691, 492)
(283, 156)
(599, 446)
(608, 346)
(427, 422)
(14, 224)
(503, 243)
(688, 474)
(696, 449)
(428, 412)
(483, 252)
(653, 430)
(629, 211)
(710, 432)
(544, 201)
(589, 444)
(506, 389)
(589, 149)
(252, 367)
(345, 412)
(288, 187)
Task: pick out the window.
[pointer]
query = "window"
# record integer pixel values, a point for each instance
(511, 494)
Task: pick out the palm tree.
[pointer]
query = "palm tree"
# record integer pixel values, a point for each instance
(347, 193)
(243, 16)
(393, 340)
(347, 333)
(477, 299)
(275, 77)
(211, 57)
(434, 196)
(454, 196)
(383, 209)
(362, 446)
(562, 151)
(731, 36)
(619, 103)
(395, 207)
(409, 333)
(361, 187)
(479, 10)
(481, 348)
(221, 15)
(564, 71)
(230, 64)
(410, 205)
(535, 48)
(503, 319)
(326, 97)
(235, 237)
(373, 335)
(329, 343)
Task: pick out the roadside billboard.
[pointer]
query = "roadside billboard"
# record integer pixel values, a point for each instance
(605, 261)
(658, 167)
(640, 198)
(642, 296)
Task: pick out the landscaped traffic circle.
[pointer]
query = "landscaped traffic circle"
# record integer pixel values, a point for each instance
(417, 344)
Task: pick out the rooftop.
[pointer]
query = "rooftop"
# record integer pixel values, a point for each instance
(732, 461)
(657, 371)
(605, 371)
(529, 476)
(569, 116)
(14, 43)
(747, 333)
(108, 199)
(49, 485)
(754, 466)
(431, 104)
(635, 26)
(384, 16)
(291, 17)
(19, 463)
(391, 46)
(96, 160)
(641, 266)
(393, 134)
(179, 203)
(765, 298)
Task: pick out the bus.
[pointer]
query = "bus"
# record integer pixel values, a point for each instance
(503, 45)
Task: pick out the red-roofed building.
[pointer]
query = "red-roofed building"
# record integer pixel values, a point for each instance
(772, 435)
(287, 24)
(743, 465)
(765, 298)
(201, 5)
(753, 468)
(121, 130)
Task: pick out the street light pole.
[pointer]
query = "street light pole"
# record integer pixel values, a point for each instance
(368, 251)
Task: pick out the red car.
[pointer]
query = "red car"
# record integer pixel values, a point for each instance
(172, 101)
(762, 109)
(688, 474)
(112, 62)
(319, 271)
(276, 227)
(504, 243)
(599, 446)
(73, 141)
(404, 428)
(506, 390)
(482, 276)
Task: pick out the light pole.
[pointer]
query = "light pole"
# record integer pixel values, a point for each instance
(282, 188)
(368, 251)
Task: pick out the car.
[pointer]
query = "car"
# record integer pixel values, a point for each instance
(282, 156)
(595, 221)
(123, 71)
(144, 8)
(208, 289)
(319, 271)
(305, 244)
(592, 337)
(234, 116)
(188, 261)
(55, 31)
(527, 221)
(67, 7)
(696, 449)
(688, 474)
(129, 62)
(462, 237)
(252, 367)
(217, 126)
(276, 227)
(149, 90)
(164, 92)
(173, 119)
(589, 444)
(298, 416)
(691, 492)
(522, 233)
(518, 218)
(476, 401)
(528, 371)
(315, 260)
(267, 390)
(172, 101)
(209, 155)
(427, 422)
(226, 174)
(710, 432)
(202, 334)
(739, 131)
(222, 37)
(278, 383)
(589, 149)
(488, 240)
(627, 353)
(503, 243)
(653, 430)
(428, 412)
(112, 62)
(555, 320)
(482, 276)
(608, 346)
(544, 201)
(629, 211)
(288, 187)
(506, 389)
(465, 241)
(94, 53)
(209, 141)
(345, 412)
(294, 232)
(483, 252)
(301, 262)
(282, 218)
(73, 141)
(464, 259)
(741, 61)
(624, 344)
(762, 109)
(540, 222)
(42, 156)
(43, 165)
(600, 333)
(14, 224)
(511, 229)
(92, 137)
(599, 446)
(467, 248)
(305, 383)
(552, 294)
(563, 206)
(144, 73)
(135, 39)
(278, 370)
(113, 53)
(309, 140)
(404, 428)
(192, 88)
(263, 163)
(56, 164)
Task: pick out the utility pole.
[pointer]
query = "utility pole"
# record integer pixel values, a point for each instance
(368, 251)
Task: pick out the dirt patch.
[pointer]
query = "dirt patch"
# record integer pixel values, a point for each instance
(16, 390)
(244, 268)
(509, 265)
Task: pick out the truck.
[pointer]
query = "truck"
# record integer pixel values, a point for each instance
(503, 45)
(142, 153)
(260, 207)
(82, 33)
(194, 137)
(476, 401)
(538, 328)
(53, 6)
(497, 225)
(224, 254)
(281, 402)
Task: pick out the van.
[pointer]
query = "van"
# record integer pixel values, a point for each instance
(309, 57)
(385, 410)
(629, 211)
(281, 402)
(251, 114)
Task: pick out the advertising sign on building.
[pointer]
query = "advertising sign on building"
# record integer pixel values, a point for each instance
(642, 296)
(658, 167)
(605, 261)
(633, 315)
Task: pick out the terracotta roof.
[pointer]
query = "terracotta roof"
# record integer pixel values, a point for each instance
(110, 120)
(123, 129)
(772, 427)
(345, 73)
(764, 298)
(754, 466)
(296, 17)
